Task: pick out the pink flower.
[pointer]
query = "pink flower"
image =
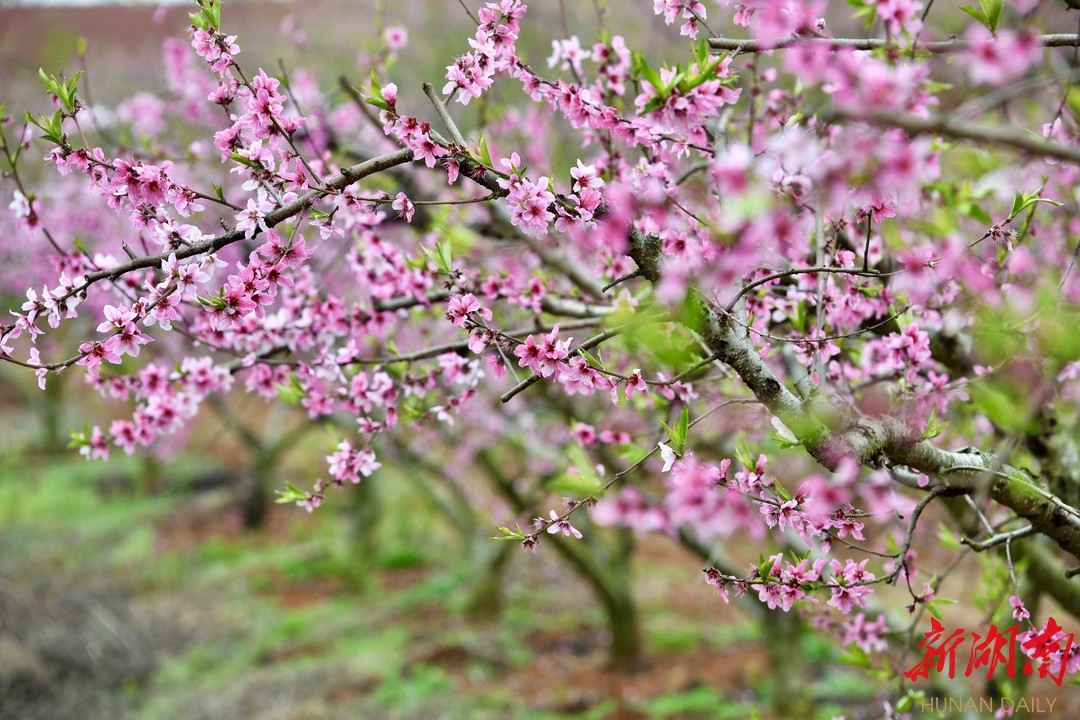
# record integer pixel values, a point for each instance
(458, 310)
(349, 464)
(426, 149)
(124, 435)
(864, 635)
(555, 350)
(253, 218)
(562, 526)
(127, 341)
(585, 176)
(635, 383)
(531, 355)
(783, 515)
(116, 318)
(396, 38)
(95, 447)
(389, 94)
(846, 599)
(585, 434)
(529, 204)
(1019, 612)
(1002, 58)
(404, 206)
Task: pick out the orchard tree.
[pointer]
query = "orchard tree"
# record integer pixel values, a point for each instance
(795, 287)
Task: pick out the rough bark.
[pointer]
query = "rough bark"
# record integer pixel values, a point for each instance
(881, 441)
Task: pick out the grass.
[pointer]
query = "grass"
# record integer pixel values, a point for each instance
(294, 624)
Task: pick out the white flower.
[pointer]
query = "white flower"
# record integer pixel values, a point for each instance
(783, 430)
(668, 455)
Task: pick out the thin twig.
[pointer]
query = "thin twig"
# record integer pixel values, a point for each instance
(620, 280)
(979, 546)
(348, 176)
(799, 271)
(901, 556)
(468, 11)
(444, 115)
(533, 379)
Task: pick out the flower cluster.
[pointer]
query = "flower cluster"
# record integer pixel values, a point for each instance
(691, 11)
(494, 48)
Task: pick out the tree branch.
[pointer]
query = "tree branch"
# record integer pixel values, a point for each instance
(347, 177)
(948, 127)
(875, 441)
(738, 45)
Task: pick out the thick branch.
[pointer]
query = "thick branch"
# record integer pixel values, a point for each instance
(958, 130)
(347, 177)
(737, 45)
(877, 441)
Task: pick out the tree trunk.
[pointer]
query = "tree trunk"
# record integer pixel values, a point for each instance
(486, 595)
(624, 653)
(787, 665)
(255, 489)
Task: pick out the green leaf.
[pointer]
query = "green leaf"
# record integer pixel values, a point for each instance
(291, 393)
(650, 75)
(1022, 202)
(781, 491)
(798, 320)
(992, 10)
(655, 104)
(742, 454)
(583, 483)
(673, 83)
(377, 102)
(1073, 100)
(77, 439)
(947, 538)
(237, 157)
(485, 154)
(976, 13)
(574, 485)
(932, 608)
(592, 359)
(1004, 405)
(209, 16)
(1018, 204)
(506, 533)
(933, 427)
(678, 433)
(975, 212)
(701, 52)
(441, 255)
(290, 494)
(47, 81)
(764, 566)
(73, 83)
(856, 657)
